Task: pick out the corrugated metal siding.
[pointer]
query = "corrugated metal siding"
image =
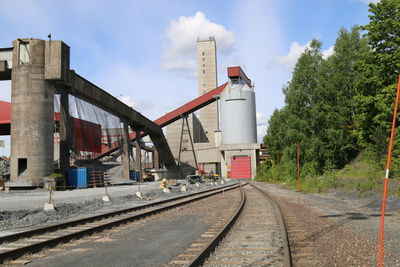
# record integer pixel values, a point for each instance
(77, 177)
(134, 176)
(240, 168)
(87, 135)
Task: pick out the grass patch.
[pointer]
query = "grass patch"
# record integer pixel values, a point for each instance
(364, 174)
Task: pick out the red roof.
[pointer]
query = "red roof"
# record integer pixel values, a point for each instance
(234, 72)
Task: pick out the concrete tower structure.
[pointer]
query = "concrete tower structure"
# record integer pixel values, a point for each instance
(207, 81)
(202, 129)
(31, 114)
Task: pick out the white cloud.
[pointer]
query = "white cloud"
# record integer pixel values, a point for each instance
(183, 33)
(261, 126)
(127, 100)
(289, 60)
(369, 1)
(261, 132)
(328, 52)
(261, 118)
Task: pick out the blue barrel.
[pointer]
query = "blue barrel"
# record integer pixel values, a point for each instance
(134, 175)
(77, 177)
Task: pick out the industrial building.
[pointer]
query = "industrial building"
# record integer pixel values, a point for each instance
(225, 135)
(202, 128)
(222, 140)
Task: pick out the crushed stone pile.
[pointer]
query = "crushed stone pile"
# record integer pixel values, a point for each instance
(4, 167)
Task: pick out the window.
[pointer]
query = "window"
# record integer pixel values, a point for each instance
(204, 85)
(204, 71)
(204, 65)
(202, 53)
(204, 59)
(24, 53)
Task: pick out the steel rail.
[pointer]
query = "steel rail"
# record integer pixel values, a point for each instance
(287, 257)
(59, 226)
(205, 253)
(181, 200)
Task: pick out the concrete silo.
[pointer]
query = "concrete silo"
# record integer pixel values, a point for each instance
(32, 140)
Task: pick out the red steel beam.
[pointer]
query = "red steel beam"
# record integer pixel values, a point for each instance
(176, 114)
(190, 107)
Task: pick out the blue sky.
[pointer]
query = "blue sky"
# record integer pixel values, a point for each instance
(144, 51)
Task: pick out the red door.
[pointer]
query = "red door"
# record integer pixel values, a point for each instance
(240, 168)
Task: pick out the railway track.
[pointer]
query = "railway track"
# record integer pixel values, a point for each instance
(254, 236)
(27, 242)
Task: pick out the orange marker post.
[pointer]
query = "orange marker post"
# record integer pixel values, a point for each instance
(382, 229)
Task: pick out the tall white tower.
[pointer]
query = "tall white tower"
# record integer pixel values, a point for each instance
(207, 81)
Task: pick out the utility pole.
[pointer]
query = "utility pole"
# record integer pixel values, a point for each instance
(277, 167)
(298, 170)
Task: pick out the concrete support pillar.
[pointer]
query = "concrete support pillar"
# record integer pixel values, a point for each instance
(224, 163)
(65, 131)
(125, 152)
(138, 156)
(156, 162)
(32, 119)
(253, 160)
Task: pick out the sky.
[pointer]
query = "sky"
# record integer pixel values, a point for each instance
(144, 52)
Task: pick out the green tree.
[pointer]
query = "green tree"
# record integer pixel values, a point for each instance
(378, 69)
(335, 109)
(319, 109)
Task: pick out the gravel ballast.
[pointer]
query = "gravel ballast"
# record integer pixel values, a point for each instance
(151, 241)
(77, 204)
(343, 228)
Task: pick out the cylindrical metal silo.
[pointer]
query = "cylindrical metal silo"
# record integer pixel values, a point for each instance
(238, 114)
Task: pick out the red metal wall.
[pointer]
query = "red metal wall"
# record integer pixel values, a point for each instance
(5, 118)
(5, 112)
(240, 168)
(87, 134)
